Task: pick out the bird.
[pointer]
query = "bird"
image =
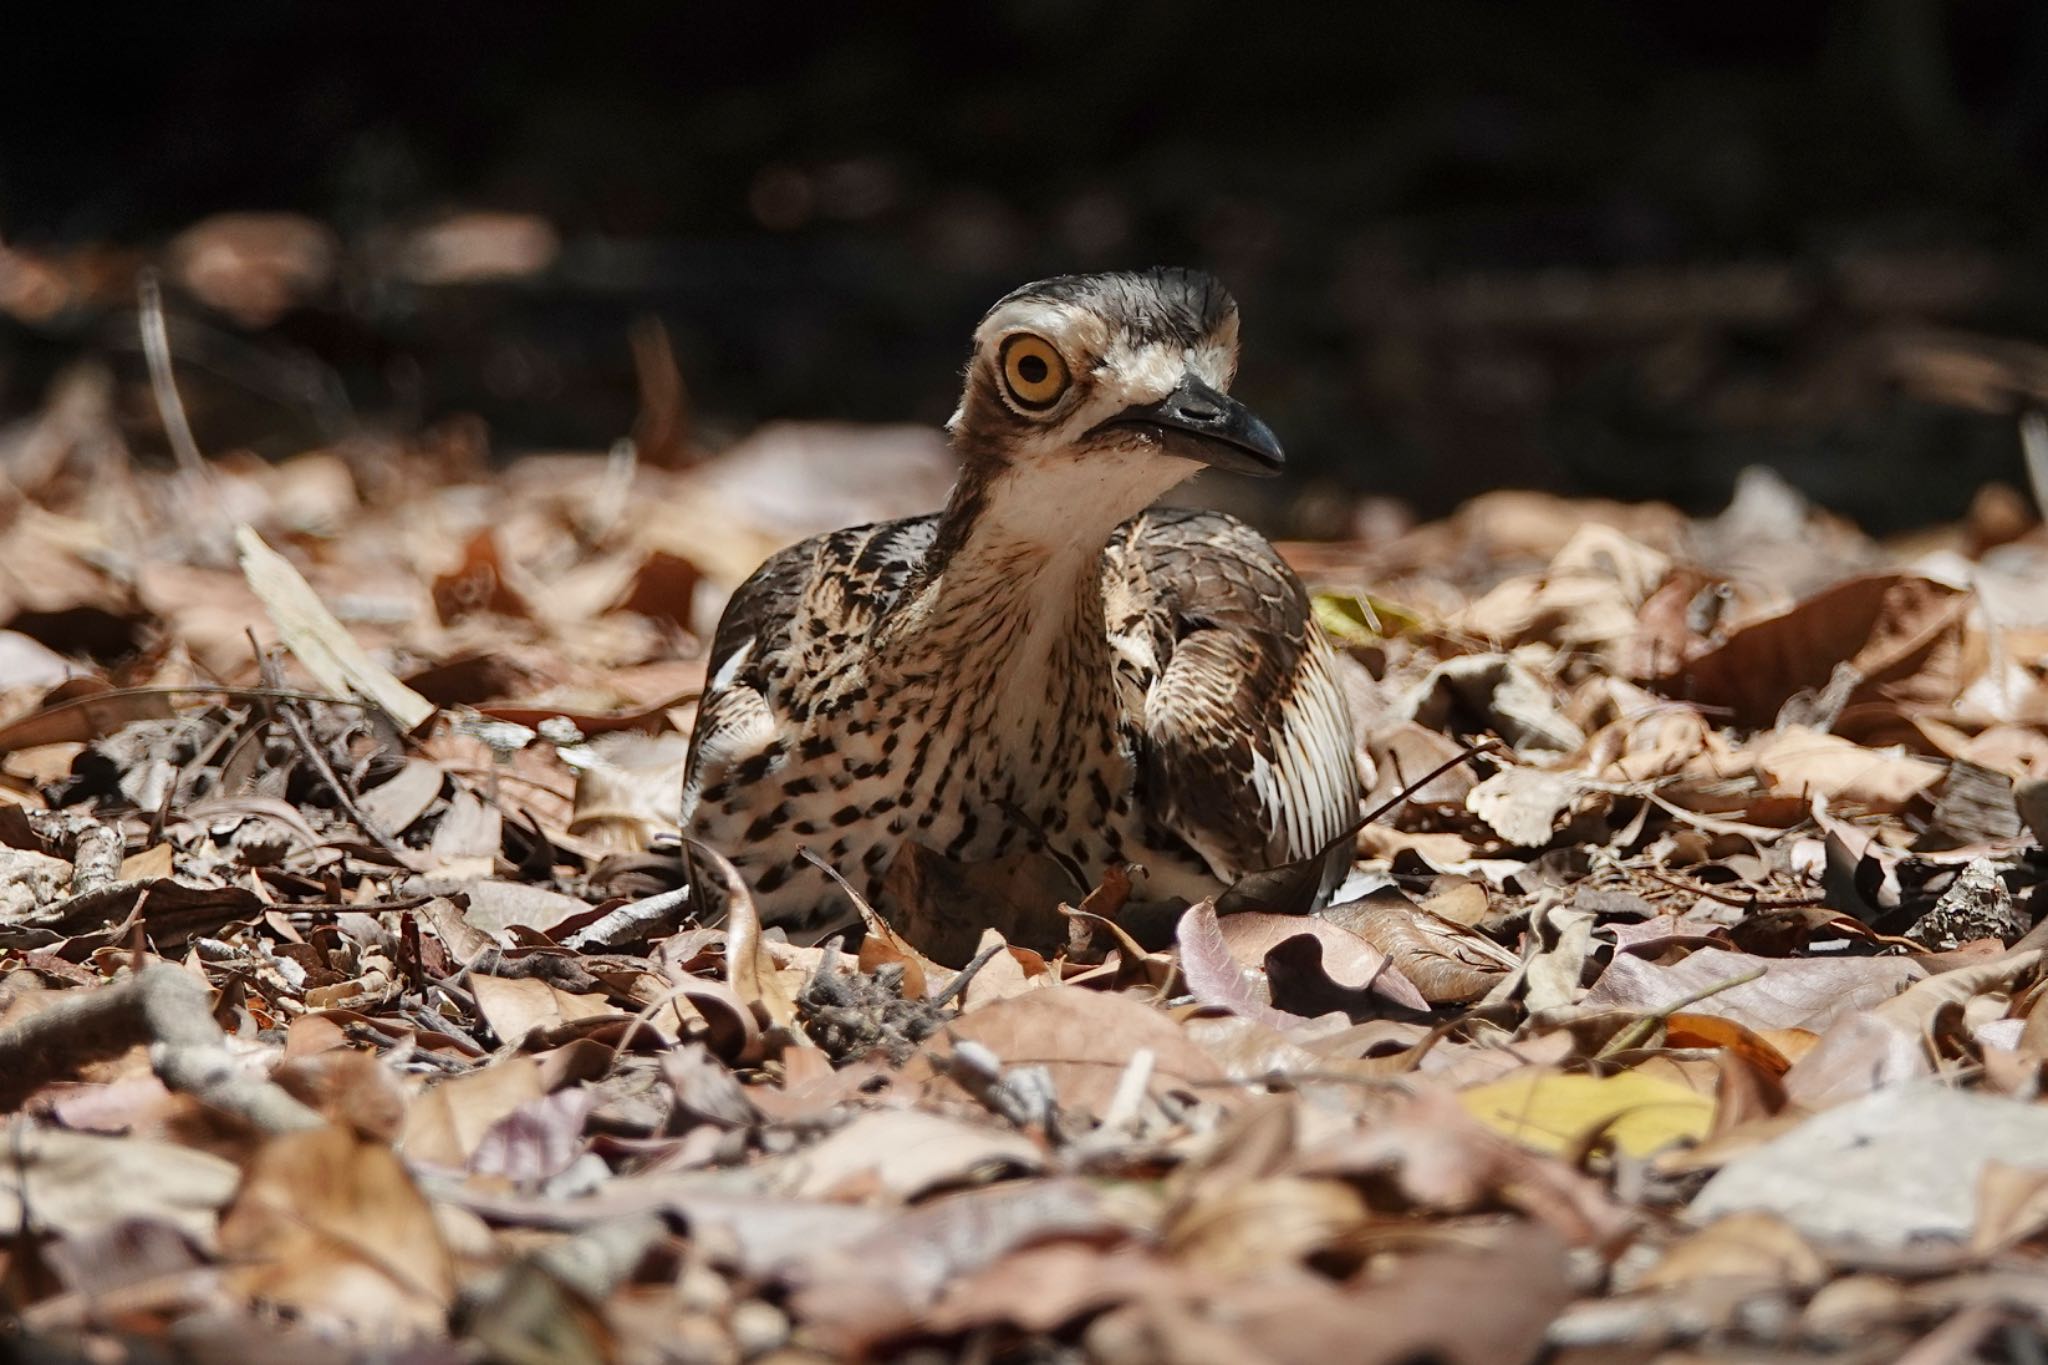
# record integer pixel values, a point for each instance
(1049, 664)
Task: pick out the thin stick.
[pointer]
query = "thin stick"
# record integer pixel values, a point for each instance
(1638, 1032)
(203, 511)
(1131, 1088)
(645, 1019)
(1750, 900)
(1484, 746)
(2034, 445)
(156, 348)
(958, 985)
(1343, 840)
(311, 752)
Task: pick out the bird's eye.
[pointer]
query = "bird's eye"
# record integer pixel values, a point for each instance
(1033, 371)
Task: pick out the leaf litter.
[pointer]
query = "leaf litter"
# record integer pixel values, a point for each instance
(355, 989)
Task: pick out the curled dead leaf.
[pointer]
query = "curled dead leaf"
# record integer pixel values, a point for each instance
(1447, 961)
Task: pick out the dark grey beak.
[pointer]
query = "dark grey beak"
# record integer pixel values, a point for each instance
(1198, 423)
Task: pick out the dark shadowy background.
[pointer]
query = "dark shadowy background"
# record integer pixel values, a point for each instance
(1614, 248)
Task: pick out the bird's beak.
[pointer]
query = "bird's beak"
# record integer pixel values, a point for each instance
(1199, 423)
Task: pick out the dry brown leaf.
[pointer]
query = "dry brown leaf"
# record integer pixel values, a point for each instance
(1439, 1157)
(538, 1140)
(750, 969)
(444, 1125)
(904, 1153)
(1753, 1245)
(319, 641)
(82, 709)
(517, 1006)
(1524, 805)
(1899, 633)
(148, 865)
(628, 789)
(1346, 961)
(1808, 993)
(329, 1225)
(1042, 1288)
(396, 804)
(861, 1293)
(1085, 1039)
(1403, 753)
(1707, 1030)
(2012, 1208)
(1447, 962)
(1858, 1053)
(350, 1088)
(1587, 600)
(1801, 763)
(71, 1184)
(467, 840)
(254, 266)
(1216, 977)
(1487, 1305)
(883, 946)
(1246, 1228)
(481, 583)
(1008, 971)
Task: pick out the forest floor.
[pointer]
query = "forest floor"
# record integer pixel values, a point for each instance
(351, 1003)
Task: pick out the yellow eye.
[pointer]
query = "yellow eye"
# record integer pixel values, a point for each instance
(1033, 371)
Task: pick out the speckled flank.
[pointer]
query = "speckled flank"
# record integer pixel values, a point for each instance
(1034, 667)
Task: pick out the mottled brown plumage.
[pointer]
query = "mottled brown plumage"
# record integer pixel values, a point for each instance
(1044, 664)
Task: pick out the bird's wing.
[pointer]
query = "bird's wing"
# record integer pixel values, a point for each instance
(1247, 751)
(805, 605)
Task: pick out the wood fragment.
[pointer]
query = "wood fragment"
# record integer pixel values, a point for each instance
(319, 641)
(164, 1008)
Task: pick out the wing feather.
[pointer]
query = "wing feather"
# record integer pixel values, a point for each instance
(778, 623)
(1247, 744)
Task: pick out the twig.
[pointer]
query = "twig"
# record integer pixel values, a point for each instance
(312, 908)
(303, 738)
(165, 1008)
(156, 349)
(369, 1033)
(1484, 746)
(958, 985)
(95, 849)
(645, 1019)
(1751, 900)
(860, 902)
(1131, 1088)
(376, 834)
(1639, 1031)
(636, 921)
(1306, 1076)
(194, 478)
(1297, 885)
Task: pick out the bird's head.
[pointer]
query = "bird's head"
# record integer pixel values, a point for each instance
(1120, 380)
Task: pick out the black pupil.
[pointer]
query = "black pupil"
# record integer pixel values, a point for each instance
(1032, 369)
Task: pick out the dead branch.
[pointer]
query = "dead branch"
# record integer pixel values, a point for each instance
(95, 849)
(159, 1006)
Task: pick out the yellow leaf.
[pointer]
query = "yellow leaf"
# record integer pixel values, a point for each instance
(1360, 618)
(1554, 1113)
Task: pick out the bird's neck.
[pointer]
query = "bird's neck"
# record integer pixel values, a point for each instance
(1011, 591)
